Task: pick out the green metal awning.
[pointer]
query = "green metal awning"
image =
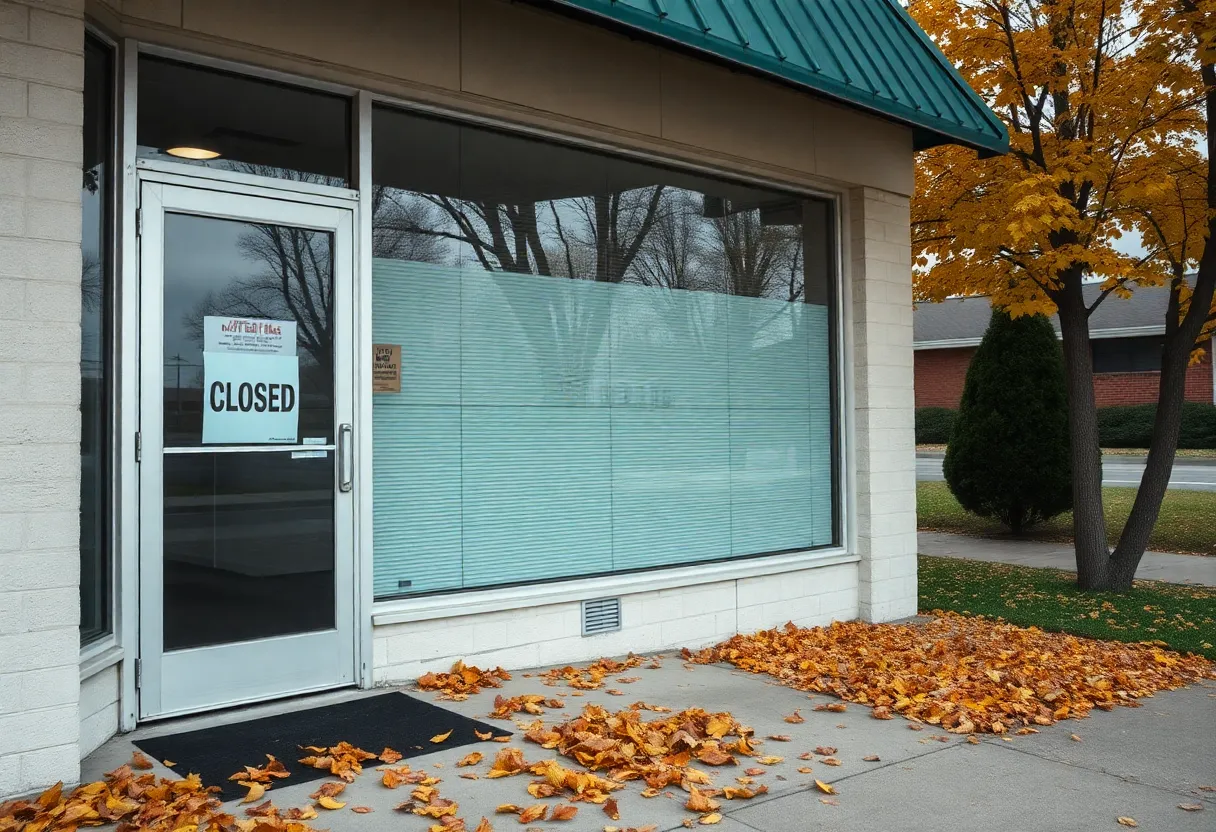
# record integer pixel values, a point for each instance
(867, 53)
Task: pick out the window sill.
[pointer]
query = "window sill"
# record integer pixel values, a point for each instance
(98, 656)
(476, 602)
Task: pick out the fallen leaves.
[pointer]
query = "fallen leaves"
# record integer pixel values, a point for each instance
(532, 703)
(1126, 821)
(342, 760)
(795, 718)
(699, 801)
(591, 676)
(964, 674)
(871, 758)
(388, 755)
(563, 811)
(659, 752)
(470, 759)
(273, 770)
(256, 790)
(329, 803)
(826, 788)
(611, 809)
(1191, 807)
(438, 738)
(463, 680)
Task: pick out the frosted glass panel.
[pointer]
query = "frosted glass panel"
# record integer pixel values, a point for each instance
(549, 428)
(536, 492)
(670, 486)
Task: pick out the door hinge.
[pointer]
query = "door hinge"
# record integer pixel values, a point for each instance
(139, 446)
(139, 674)
(139, 222)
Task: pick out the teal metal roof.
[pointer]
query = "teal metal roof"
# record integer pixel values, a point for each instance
(867, 53)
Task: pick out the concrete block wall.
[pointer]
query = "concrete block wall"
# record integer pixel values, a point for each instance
(99, 696)
(884, 439)
(41, 81)
(693, 617)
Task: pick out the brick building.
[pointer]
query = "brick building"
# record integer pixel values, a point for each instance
(1126, 337)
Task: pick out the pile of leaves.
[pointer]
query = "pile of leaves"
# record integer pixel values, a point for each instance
(592, 676)
(463, 680)
(965, 674)
(143, 802)
(659, 752)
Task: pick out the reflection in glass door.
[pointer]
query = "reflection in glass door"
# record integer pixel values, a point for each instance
(246, 526)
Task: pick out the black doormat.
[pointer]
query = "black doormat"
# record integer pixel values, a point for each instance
(396, 720)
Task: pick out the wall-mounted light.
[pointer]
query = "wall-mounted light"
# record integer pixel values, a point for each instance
(196, 153)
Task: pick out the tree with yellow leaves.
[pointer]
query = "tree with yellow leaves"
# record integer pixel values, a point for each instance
(1110, 107)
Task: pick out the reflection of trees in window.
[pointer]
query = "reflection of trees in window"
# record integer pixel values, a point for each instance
(295, 285)
(754, 259)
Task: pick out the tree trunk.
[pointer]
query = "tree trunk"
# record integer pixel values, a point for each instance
(1089, 523)
(1167, 424)
(1180, 340)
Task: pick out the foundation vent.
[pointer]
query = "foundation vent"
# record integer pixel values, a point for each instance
(603, 615)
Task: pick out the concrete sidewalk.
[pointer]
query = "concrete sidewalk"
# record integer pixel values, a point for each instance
(1154, 566)
(1140, 763)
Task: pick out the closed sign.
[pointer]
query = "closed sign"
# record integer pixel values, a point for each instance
(251, 389)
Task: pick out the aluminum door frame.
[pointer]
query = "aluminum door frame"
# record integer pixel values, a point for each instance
(206, 678)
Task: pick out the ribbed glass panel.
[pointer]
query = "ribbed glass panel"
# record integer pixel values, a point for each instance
(819, 348)
(537, 493)
(670, 486)
(551, 428)
(770, 480)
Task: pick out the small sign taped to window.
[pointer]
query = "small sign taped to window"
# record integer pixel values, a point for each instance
(386, 368)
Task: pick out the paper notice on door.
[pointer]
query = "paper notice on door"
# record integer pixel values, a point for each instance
(259, 336)
(250, 398)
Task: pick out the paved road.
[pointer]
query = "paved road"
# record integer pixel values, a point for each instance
(1188, 474)
(1154, 566)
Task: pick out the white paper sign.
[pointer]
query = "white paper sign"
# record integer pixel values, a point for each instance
(249, 335)
(251, 381)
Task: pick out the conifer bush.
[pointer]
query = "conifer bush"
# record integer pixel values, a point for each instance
(1008, 455)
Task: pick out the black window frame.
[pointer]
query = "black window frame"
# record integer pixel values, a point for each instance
(97, 596)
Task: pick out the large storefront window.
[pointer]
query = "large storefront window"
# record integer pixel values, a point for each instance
(606, 365)
(95, 360)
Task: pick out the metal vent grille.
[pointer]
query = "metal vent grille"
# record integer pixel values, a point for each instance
(603, 615)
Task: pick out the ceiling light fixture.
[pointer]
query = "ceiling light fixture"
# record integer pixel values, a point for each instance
(196, 153)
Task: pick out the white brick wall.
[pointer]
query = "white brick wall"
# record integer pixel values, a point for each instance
(665, 619)
(41, 77)
(98, 709)
(884, 443)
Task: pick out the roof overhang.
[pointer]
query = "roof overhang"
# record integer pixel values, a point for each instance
(868, 54)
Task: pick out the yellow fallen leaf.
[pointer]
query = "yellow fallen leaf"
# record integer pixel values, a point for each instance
(483, 735)
(804, 770)
(470, 759)
(710, 819)
(326, 802)
(361, 810)
(769, 761)
(256, 790)
(1126, 821)
(824, 787)
(438, 738)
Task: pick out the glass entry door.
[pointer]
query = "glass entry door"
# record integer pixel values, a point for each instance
(246, 472)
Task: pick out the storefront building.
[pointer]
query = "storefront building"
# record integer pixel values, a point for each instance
(380, 334)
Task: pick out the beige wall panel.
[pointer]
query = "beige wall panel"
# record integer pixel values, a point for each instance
(414, 40)
(711, 107)
(538, 60)
(166, 12)
(855, 147)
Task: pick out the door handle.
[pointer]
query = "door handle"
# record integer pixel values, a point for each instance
(346, 468)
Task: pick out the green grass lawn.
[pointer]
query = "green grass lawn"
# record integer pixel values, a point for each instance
(1187, 522)
(1184, 617)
